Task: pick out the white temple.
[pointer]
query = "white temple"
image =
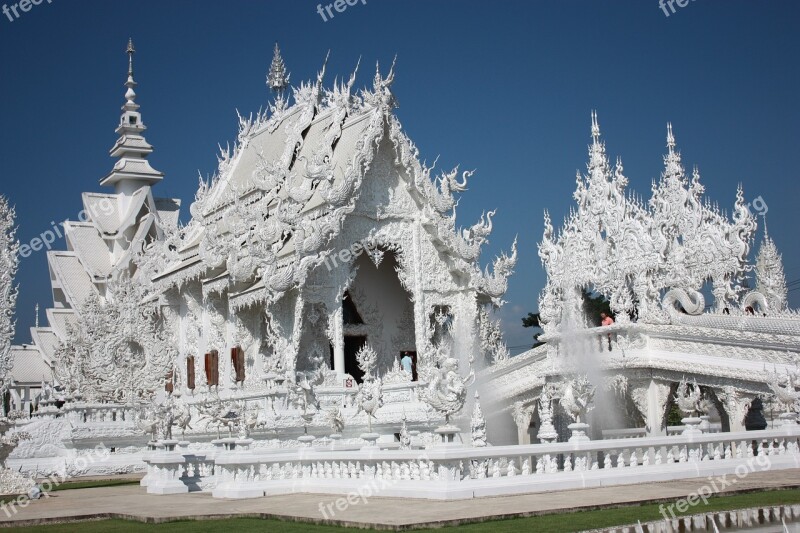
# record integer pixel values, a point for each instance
(654, 262)
(257, 348)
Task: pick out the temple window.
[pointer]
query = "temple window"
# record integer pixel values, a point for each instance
(212, 368)
(237, 361)
(190, 372)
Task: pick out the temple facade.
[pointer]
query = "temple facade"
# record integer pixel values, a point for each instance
(323, 252)
(321, 238)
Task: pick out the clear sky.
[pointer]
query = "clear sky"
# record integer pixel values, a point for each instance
(505, 87)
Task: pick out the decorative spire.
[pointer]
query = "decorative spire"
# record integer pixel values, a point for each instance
(674, 173)
(132, 170)
(770, 276)
(595, 128)
(278, 78)
(131, 50)
(598, 167)
(37, 315)
(670, 138)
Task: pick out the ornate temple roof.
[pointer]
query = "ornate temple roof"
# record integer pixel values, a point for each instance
(70, 276)
(47, 341)
(285, 189)
(29, 367)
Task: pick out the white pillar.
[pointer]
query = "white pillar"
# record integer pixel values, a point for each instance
(657, 398)
(522, 417)
(736, 404)
(650, 398)
(338, 340)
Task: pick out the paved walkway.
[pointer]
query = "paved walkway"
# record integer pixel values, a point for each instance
(132, 502)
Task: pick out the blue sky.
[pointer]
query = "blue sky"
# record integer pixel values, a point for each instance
(505, 87)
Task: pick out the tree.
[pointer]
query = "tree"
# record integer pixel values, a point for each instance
(9, 260)
(593, 305)
(532, 321)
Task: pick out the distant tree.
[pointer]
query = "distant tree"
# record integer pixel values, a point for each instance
(593, 305)
(9, 248)
(532, 321)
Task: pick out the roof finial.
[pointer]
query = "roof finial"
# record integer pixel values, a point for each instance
(37, 315)
(595, 127)
(278, 78)
(130, 94)
(670, 138)
(130, 51)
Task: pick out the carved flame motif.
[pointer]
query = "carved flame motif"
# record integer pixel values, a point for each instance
(8, 292)
(631, 251)
(120, 349)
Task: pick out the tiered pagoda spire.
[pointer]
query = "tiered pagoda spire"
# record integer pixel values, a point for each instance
(278, 77)
(132, 170)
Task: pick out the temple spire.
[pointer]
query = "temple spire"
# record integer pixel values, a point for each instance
(670, 138)
(770, 276)
(131, 50)
(278, 77)
(595, 128)
(132, 171)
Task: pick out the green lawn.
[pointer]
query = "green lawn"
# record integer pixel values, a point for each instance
(556, 523)
(69, 485)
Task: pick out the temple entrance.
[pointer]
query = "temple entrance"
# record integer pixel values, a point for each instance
(376, 306)
(352, 344)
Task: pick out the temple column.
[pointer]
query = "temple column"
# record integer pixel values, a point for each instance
(736, 405)
(651, 399)
(337, 330)
(522, 417)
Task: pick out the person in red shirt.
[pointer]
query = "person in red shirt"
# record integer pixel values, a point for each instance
(606, 320)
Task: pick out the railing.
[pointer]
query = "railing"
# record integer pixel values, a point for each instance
(469, 472)
(80, 413)
(602, 339)
(636, 433)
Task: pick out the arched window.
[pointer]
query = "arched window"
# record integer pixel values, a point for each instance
(190, 372)
(237, 361)
(212, 368)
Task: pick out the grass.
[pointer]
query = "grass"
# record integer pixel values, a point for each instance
(69, 485)
(553, 523)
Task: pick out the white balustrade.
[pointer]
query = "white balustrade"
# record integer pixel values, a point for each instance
(451, 473)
